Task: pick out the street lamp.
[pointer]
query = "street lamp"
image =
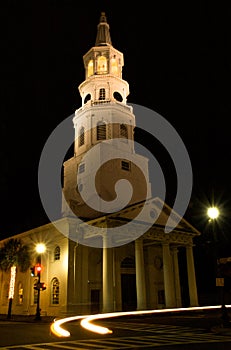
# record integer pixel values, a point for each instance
(213, 214)
(40, 249)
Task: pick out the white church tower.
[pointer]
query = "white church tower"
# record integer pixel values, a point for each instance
(138, 271)
(103, 116)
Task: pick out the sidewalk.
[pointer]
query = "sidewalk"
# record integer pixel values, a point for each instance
(25, 318)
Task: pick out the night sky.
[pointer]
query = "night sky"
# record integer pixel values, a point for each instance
(177, 63)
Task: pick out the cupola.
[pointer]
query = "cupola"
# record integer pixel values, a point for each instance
(103, 70)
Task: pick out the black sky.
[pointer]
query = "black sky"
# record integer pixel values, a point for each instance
(177, 62)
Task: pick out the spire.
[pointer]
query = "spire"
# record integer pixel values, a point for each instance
(103, 34)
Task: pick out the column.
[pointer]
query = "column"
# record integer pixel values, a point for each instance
(191, 276)
(140, 275)
(75, 273)
(85, 298)
(169, 287)
(108, 300)
(176, 277)
(117, 285)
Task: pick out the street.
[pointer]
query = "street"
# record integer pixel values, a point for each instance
(160, 332)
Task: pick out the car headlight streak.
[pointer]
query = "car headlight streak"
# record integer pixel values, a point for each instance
(86, 321)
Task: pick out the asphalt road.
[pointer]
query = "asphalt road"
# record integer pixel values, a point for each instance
(184, 331)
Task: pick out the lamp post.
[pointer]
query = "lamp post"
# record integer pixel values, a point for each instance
(213, 214)
(40, 249)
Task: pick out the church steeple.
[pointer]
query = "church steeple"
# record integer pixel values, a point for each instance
(103, 70)
(103, 116)
(103, 33)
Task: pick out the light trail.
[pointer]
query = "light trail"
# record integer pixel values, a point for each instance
(58, 330)
(86, 321)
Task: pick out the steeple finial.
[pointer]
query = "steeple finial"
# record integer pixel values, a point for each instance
(103, 17)
(103, 34)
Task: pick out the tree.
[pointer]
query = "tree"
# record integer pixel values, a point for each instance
(13, 255)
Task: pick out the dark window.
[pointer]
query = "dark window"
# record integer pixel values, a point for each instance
(123, 131)
(57, 253)
(81, 136)
(81, 168)
(102, 94)
(125, 165)
(101, 131)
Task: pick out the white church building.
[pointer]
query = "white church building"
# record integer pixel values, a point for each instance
(87, 269)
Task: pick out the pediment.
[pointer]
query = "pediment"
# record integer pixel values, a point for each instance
(156, 212)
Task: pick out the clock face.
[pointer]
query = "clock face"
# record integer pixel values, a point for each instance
(158, 262)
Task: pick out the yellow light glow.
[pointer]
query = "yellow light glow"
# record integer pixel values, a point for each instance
(86, 320)
(102, 64)
(114, 66)
(213, 213)
(86, 323)
(58, 330)
(90, 68)
(12, 281)
(40, 248)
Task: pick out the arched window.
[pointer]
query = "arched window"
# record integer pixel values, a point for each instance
(102, 94)
(123, 131)
(55, 291)
(102, 65)
(81, 136)
(90, 68)
(20, 293)
(101, 131)
(57, 253)
(114, 66)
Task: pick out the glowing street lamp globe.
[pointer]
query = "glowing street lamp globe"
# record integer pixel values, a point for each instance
(213, 213)
(40, 248)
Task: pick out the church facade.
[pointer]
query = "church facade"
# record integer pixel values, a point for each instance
(132, 271)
